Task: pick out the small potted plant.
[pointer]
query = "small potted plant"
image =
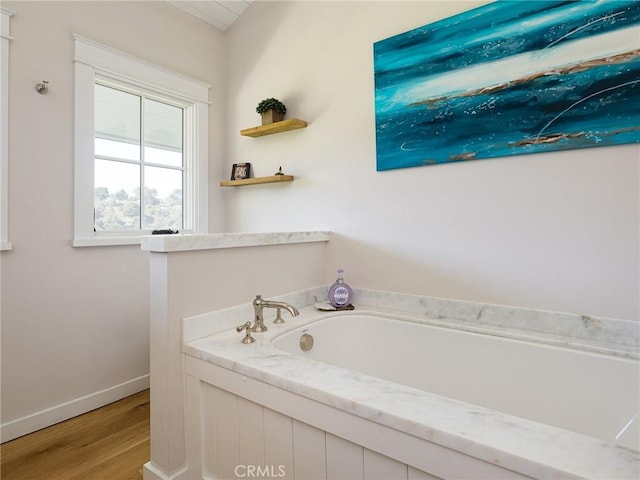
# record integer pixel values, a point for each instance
(272, 110)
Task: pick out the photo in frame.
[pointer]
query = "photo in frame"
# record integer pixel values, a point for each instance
(240, 171)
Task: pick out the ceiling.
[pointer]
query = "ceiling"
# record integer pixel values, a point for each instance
(218, 13)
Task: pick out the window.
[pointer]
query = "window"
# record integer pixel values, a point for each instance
(140, 148)
(139, 166)
(5, 37)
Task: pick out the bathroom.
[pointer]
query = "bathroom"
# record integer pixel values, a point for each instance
(555, 231)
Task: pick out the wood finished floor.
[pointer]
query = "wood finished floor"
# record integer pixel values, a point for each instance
(110, 443)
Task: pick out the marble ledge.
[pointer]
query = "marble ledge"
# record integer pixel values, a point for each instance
(187, 242)
(608, 336)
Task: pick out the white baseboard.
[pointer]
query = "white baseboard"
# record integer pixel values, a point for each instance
(149, 472)
(50, 416)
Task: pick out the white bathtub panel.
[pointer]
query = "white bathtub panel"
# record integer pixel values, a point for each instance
(344, 459)
(251, 438)
(308, 443)
(381, 467)
(209, 445)
(308, 452)
(225, 432)
(193, 425)
(278, 450)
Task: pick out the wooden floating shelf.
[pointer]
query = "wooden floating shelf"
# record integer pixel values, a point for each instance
(276, 127)
(257, 180)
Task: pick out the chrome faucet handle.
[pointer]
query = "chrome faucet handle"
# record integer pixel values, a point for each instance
(259, 304)
(278, 318)
(247, 333)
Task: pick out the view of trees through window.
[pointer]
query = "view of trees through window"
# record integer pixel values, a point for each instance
(121, 210)
(138, 149)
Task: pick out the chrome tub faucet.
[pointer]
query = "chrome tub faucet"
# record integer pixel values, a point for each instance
(259, 304)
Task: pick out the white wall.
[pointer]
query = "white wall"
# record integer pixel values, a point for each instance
(555, 231)
(75, 321)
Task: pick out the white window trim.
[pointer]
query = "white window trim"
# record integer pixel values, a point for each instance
(95, 60)
(5, 38)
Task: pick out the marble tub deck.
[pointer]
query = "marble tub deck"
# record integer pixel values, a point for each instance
(527, 447)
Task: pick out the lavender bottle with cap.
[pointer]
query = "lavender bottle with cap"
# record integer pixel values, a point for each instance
(340, 293)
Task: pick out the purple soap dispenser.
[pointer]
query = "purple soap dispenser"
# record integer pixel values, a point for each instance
(340, 293)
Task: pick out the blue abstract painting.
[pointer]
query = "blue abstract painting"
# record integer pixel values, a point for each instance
(509, 78)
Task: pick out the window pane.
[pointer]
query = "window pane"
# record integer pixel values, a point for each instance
(117, 196)
(117, 123)
(162, 133)
(113, 149)
(162, 157)
(162, 198)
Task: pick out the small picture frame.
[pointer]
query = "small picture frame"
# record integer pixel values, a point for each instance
(240, 171)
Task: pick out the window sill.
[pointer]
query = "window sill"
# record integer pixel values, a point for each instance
(107, 241)
(6, 246)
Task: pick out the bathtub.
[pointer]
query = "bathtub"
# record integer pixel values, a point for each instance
(592, 394)
(401, 395)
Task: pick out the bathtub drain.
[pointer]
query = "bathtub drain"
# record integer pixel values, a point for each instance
(306, 342)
